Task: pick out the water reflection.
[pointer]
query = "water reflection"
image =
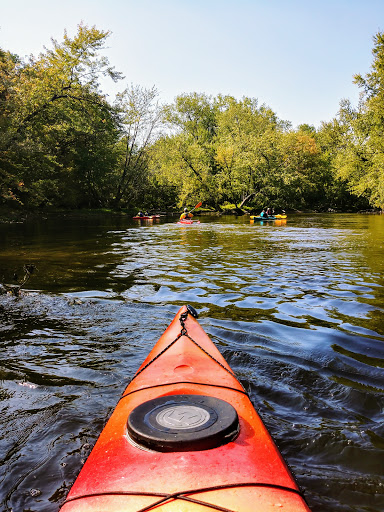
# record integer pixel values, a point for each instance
(295, 307)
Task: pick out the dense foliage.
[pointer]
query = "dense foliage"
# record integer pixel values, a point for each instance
(63, 144)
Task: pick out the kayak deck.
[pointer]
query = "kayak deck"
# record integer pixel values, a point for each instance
(243, 473)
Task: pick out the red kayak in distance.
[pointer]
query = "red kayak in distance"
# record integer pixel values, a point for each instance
(188, 221)
(185, 437)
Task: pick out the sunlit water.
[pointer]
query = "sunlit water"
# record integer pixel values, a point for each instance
(296, 308)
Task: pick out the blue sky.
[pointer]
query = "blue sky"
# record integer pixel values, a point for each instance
(296, 56)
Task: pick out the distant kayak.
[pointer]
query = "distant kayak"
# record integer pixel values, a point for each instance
(274, 217)
(188, 221)
(257, 217)
(146, 217)
(185, 437)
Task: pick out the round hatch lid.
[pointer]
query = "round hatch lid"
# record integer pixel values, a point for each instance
(180, 423)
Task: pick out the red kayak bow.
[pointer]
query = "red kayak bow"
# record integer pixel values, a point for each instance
(185, 437)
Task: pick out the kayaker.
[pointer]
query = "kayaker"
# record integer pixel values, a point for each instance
(186, 214)
(270, 212)
(140, 214)
(264, 213)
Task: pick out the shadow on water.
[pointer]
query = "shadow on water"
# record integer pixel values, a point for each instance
(296, 309)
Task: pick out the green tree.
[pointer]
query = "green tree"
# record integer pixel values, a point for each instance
(303, 170)
(70, 72)
(246, 149)
(54, 103)
(332, 139)
(361, 163)
(140, 125)
(10, 157)
(191, 164)
(224, 150)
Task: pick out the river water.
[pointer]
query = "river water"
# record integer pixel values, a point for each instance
(296, 308)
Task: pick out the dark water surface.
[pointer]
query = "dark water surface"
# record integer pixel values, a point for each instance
(296, 308)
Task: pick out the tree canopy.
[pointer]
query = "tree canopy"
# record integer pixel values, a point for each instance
(64, 144)
(360, 159)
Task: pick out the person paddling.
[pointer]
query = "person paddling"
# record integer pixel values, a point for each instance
(186, 214)
(264, 214)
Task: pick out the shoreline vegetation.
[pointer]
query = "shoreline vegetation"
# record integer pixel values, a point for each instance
(20, 216)
(65, 147)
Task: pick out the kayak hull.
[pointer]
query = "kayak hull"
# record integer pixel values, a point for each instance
(275, 217)
(245, 474)
(183, 221)
(255, 217)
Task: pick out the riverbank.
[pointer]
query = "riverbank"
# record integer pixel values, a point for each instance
(15, 216)
(8, 215)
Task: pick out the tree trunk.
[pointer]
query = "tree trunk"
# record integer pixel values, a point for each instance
(246, 199)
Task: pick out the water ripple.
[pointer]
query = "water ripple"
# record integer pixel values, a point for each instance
(296, 309)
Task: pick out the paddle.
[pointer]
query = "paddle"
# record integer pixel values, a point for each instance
(197, 206)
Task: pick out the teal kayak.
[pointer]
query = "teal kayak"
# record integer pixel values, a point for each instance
(257, 217)
(271, 217)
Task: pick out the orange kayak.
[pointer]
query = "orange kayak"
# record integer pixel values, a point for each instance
(184, 437)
